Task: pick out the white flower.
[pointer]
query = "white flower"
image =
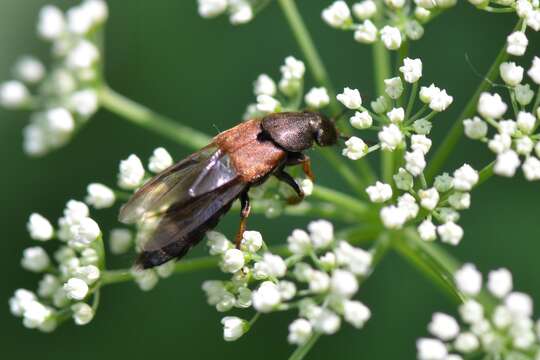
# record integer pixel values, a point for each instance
(422, 13)
(404, 181)
(508, 127)
(328, 260)
(391, 37)
(524, 94)
(526, 122)
(317, 97)
(500, 143)
(131, 173)
(100, 196)
(499, 282)
(13, 94)
(51, 22)
(429, 198)
(356, 148)
(266, 297)
(322, 233)
(468, 279)
(427, 93)
(466, 342)
(84, 102)
(440, 101)
(274, 265)
(431, 349)
(36, 314)
(524, 145)
(211, 8)
(396, 115)
(444, 183)
(531, 168)
(337, 14)
(507, 163)
(146, 279)
(459, 200)
(427, 231)
(318, 281)
(415, 162)
(39, 228)
(350, 98)
(251, 241)
(393, 217)
(390, 137)
(35, 259)
(76, 289)
(381, 104)
(293, 69)
(343, 283)
(516, 43)
(534, 71)
(120, 241)
(411, 70)
(160, 160)
(443, 326)
(300, 331)
(407, 202)
(450, 233)
(233, 260)
(84, 232)
(82, 313)
(29, 69)
(83, 55)
(356, 313)
(380, 192)
(361, 120)
(307, 186)
(233, 328)
(420, 143)
(475, 128)
(20, 301)
(511, 73)
(357, 260)
(366, 33)
(533, 20)
(97, 10)
(48, 285)
(88, 273)
(241, 13)
(519, 304)
(267, 104)
(465, 178)
(365, 9)
(287, 289)
(327, 322)
(471, 312)
(393, 87)
(264, 85)
(299, 242)
(302, 272)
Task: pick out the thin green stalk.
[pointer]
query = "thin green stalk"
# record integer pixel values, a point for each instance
(453, 136)
(144, 117)
(307, 46)
(485, 174)
(346, 202)
(304, 349)
(412, 99)
(356, 183)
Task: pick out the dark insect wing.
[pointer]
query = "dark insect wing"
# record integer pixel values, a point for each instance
(184, 225)
(200, 173)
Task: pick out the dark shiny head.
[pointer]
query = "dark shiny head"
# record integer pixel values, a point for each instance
(297, 131)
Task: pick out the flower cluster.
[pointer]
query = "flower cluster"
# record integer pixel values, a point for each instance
(65, 96)
(239, 11)
(513, 138)
(504, 329)
(69, 278)
(287, 94)
(392, 21)
(319, 278)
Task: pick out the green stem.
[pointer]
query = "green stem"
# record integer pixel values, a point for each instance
(307, 46)
(453, 136)
(344, 170)
(342, 200)
(144, 117)
(485, 174)
(304, 349)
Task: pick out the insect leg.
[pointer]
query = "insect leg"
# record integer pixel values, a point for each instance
(305, 161)
(244, 213)
(289, 180)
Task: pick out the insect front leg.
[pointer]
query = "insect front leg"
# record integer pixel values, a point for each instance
(304, 160)
(289, 180)
(245, 206)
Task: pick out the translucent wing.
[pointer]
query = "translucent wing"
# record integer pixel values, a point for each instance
(184, 225)
(198, 174)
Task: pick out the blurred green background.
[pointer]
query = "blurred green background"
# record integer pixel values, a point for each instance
(200, 72)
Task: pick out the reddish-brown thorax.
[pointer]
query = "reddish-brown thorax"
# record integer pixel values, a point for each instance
(251, 157)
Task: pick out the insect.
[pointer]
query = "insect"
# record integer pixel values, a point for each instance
(192, 195)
